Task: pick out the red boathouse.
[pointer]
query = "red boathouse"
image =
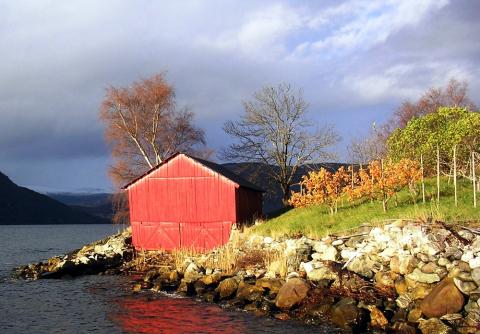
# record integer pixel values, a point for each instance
(187, 202)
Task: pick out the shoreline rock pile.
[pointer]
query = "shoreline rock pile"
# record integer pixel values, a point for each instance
(400, 277)
(404, 277)
(103, 256)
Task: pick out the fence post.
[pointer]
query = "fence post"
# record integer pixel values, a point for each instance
(438, 175)
(474, 181)
(455, 172)
(423, 181)
(352, 176)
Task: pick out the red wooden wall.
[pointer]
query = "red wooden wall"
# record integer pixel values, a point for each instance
(249, 205)
(185, 204)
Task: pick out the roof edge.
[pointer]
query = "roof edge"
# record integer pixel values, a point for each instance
(198, 160)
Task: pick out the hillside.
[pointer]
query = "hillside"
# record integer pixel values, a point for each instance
(22, 206)
(99, 205)
(315, 221)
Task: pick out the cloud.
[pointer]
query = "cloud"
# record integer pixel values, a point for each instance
(356, 61)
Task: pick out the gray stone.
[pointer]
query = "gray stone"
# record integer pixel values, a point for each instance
(464, 286)
(362, 265)
(329, 253)
(322, 273)
(476, 276)
(192, 273)
(443, 262)
(419, 276)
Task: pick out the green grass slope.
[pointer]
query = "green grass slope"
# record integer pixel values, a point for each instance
(315, 221)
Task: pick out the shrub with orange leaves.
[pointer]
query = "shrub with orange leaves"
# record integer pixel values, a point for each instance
(383, 179)
(380, 180)
(321, 187)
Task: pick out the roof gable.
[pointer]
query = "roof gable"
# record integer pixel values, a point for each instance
(219, 169)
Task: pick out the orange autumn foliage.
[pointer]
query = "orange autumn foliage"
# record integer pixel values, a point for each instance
(380, 180)
(321, 187)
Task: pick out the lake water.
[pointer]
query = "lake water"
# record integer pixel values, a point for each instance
(103, 304)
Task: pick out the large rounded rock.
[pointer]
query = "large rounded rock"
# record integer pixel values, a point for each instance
(249, 292)
(347, 315)
(271, 284)
(227, 287)
(445, 298)
(291, 293)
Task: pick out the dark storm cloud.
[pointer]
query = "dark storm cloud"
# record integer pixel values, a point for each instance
(356, 60)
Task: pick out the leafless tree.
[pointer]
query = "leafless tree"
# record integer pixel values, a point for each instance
(371, 147)
(454, 94)
(275, 132)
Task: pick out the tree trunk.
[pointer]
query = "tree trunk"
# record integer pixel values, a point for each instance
(286, 194)
(384, 204)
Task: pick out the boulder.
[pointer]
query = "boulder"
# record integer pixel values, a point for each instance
(362, 265)
(429, 268)
(292, 293)
(296, 251)
(322, 273)
(249, 292)
(211, 279)
(385, 279)
(445, 298)
(227, 288)
(414, 315)
(419, 276)
(476, 276)
(324, 252)
(464, 286)
(271, 284)
(346, 314)
(192, 273)
(403, 264)
(377, 318)
(433, 326)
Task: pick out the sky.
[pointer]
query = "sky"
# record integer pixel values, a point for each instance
(356, 61)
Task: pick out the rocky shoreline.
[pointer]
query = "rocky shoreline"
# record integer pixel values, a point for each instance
(403, 277)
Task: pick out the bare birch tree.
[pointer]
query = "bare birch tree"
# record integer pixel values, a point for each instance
(275, 131)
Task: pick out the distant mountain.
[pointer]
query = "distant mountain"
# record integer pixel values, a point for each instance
(22, 206)
(98, 204)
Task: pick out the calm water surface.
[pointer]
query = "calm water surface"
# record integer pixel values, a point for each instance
(102, 304)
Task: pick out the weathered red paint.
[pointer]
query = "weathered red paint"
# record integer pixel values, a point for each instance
(185, 203)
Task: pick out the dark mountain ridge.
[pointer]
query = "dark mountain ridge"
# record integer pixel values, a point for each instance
(22, 206)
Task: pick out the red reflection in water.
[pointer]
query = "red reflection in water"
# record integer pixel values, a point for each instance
(173, 315)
